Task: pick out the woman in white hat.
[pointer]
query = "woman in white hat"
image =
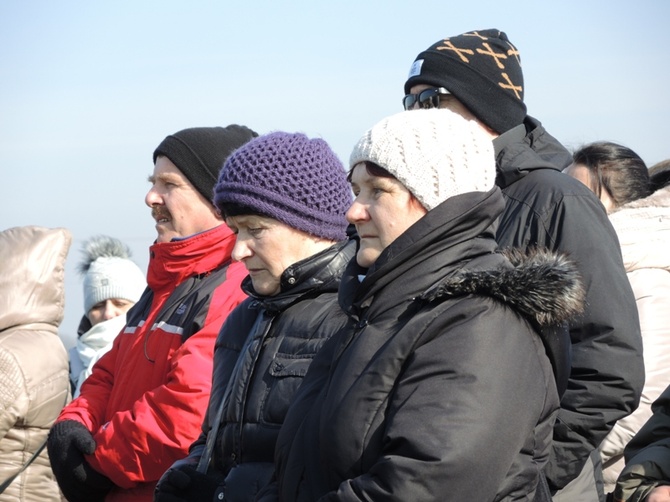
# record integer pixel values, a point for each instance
(113, 283)
(443, 384)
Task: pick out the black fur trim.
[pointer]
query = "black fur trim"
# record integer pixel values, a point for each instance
(541, 285)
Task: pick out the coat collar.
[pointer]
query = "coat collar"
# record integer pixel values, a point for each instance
(456, 231)
(172, 262)
(318, 273)
(525, 148)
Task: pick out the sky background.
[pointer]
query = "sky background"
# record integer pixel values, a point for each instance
(89, 89)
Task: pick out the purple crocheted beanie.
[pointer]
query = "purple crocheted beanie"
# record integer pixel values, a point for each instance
(291, 178)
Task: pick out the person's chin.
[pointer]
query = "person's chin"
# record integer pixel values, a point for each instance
(165, 234)
(366, 257)
(264, 287)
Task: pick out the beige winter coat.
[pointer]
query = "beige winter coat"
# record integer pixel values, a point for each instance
(34, 380)
(643, 227)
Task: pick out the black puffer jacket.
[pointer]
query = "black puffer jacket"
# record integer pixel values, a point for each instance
(546, 208)
(439, 388)
(261, 355)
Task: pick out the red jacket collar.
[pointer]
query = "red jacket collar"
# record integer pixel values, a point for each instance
(172, 262)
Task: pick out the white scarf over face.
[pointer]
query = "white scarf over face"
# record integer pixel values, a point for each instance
(91, 346)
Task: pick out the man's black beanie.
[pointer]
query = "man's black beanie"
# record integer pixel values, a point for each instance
(199, 153)
(482, 69)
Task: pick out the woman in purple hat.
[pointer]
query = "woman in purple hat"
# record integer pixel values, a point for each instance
(285, 196)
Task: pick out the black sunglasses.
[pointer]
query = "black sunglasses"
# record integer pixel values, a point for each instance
(428, 98)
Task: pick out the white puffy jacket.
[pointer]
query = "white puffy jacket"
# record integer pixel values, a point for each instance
(643, 227)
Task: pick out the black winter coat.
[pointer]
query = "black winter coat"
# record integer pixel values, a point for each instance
(439, 388)
(261, 355)
(546, 208)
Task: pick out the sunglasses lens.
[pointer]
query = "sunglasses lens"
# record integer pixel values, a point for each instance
(429, 98)
(409, 101)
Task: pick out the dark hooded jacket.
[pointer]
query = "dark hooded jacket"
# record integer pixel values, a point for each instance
(439, 387)
(546, 208)
(261, 355)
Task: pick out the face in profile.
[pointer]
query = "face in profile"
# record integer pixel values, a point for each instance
(178, 208)
(382, 210)
(267, 247)
(108, 309)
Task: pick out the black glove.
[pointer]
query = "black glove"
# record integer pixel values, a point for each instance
(67, 443)
(183, 483)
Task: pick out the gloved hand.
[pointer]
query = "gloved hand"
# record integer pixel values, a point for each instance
(182, 482)
(67, 443)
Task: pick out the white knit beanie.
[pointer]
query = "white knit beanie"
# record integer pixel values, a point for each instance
(109, 272)
(434, 153)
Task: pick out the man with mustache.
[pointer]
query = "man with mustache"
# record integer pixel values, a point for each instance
(143, 404)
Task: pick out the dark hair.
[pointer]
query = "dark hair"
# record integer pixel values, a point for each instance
(378, 171)
(617, 169)
(231, 209)
(373, 170)
(659, 174)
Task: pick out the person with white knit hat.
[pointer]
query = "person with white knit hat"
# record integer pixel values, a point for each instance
(113, 283)
(444, 383)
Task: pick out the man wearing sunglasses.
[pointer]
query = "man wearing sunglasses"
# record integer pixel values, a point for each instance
(478, 75)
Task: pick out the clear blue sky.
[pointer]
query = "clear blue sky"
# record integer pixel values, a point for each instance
(89, 89)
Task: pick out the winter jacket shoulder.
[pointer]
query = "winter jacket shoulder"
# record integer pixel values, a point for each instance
(34, 384)
(546, 208)
(160, 364)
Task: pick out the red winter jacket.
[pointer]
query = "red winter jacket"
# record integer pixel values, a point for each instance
(146, 398)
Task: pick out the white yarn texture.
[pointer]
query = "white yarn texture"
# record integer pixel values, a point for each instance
(435, 153)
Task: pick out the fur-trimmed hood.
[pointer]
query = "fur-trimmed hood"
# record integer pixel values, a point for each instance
(542, 286)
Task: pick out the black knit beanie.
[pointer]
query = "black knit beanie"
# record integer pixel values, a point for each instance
(482, 69)
(199, 152)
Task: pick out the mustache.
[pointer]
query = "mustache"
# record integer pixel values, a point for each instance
(158, 213)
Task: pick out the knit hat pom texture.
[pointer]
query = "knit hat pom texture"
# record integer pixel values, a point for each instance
(109, 272)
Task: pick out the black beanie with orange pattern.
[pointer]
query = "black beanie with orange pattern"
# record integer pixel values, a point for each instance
(482, 69)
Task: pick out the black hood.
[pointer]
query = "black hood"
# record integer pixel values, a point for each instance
(542, 286)
(525, 148)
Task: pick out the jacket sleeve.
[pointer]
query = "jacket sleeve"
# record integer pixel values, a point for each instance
(647, 455)
(139, 444)
(148, 438)
(652, 291)
(462, 409)
(607, 367)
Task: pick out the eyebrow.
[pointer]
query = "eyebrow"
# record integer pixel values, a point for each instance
(165, 177)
